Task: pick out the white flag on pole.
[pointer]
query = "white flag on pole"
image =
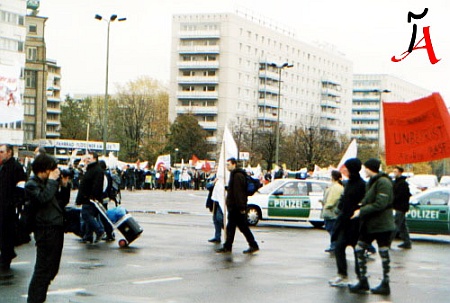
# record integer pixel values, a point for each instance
(351, 152)
(228, 150)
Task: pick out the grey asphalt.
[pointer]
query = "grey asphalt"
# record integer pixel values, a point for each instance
(173, 262)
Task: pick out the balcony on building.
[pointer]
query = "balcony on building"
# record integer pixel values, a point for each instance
(53, 110)
(268, 103)
(198, 49)
(197, 110)
(197, 95)
(198, 64)
(268, 88)
(267, 117)
(198, 34)
(198, 80)
(54, 122)
(208, 125)
(268, 74)
(211, 140)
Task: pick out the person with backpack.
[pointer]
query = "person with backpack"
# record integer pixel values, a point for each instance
(236, 203)
(48, 194)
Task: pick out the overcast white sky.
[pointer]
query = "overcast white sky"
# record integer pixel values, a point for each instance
(368, 32)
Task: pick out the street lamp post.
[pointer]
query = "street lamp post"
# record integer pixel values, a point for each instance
(380, 109)
(277, 130)
(105, 104)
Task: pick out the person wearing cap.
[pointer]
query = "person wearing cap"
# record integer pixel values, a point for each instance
(346, 230)
(377, 223)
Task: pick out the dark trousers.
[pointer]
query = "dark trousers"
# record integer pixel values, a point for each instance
(401, 227)
(237, 218)
(89, 215)
(339, 252)
(49, 244)
(7, 234)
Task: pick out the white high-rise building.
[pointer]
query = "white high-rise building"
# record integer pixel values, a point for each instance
(225, 68)
(368, 91)
(12, 63)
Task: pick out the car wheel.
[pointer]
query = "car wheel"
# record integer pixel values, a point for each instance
(253, 215)
(317, 224)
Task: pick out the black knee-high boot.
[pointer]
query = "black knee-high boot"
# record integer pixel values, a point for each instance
(383, 288)
(363, 285)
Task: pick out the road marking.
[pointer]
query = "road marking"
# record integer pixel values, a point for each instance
(158, 280)
(20, 263)
(62, 291)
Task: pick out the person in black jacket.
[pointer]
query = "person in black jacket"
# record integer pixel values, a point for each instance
(91, 188)
(346, 230)
(236, 203)
(401, 206)
(11, 175)
(44, 192)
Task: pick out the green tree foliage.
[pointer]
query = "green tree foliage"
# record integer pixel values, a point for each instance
(189, 137)
(75, 116)
(138, 119)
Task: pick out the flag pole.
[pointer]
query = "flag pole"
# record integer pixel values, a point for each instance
(224, 192)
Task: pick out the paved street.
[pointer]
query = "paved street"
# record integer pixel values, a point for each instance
(173, 262)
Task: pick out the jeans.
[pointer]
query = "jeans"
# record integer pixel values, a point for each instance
(49, 244)
(218, 221)
(329, 226)
(89, 214)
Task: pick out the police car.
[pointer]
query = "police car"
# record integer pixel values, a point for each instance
(429, 211)
(288, 200)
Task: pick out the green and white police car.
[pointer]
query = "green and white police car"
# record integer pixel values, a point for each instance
(288, 200)
(429, 211)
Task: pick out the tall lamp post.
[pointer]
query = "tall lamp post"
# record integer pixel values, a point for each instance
(277, 130)
(380, 109)
(105, 104)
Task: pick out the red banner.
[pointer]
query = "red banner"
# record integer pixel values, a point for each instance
(416, 131)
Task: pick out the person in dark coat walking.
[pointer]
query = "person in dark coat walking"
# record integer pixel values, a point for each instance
(237, 209)
(11, 175)
(346, 230)
(401, 206)
(377, 223)
(91, 188)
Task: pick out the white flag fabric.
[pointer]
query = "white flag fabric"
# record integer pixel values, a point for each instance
(228, 150)
(351, 152)
(162, 161)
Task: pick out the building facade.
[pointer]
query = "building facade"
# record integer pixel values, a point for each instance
(42, 85)
(232, 68)
(369, 93)
(53, 100)
(12, 63)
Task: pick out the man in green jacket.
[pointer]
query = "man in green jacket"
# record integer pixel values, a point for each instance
(377, 223)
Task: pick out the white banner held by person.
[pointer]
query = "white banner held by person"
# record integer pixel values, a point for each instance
(228, 150)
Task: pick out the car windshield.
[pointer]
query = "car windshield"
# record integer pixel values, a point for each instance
(267, 189)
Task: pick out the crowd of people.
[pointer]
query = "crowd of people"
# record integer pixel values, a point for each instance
(356, 213)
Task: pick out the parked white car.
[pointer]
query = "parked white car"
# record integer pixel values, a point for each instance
(288, 200)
